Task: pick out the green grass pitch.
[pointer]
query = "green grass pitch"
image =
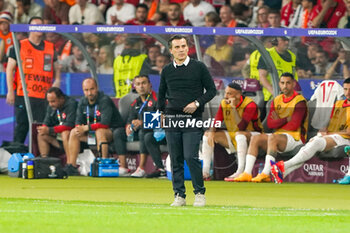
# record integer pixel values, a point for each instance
(85, 204)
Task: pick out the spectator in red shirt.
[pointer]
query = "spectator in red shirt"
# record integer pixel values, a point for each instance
(328, 13)
(140, 16)
(291, 12)
(309, 13)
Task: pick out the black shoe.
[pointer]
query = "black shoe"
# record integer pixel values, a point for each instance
(158, 173)
(71, 170)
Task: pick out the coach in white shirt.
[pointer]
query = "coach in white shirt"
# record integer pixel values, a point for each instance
(120, 12)
(195, 12)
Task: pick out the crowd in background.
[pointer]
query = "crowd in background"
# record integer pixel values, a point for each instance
(319, 57)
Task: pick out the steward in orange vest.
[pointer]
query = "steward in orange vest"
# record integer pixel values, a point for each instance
(38, 59)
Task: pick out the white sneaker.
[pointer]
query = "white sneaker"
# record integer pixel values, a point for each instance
(139, 173)
(124, 171)
(199, 200)
(179, 201)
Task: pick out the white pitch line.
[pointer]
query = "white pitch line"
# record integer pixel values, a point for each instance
(213, 211)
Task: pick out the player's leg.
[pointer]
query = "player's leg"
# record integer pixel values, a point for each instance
(242, 139)
(208, 150)
(316, 144)
(256, 142)
(276, 142)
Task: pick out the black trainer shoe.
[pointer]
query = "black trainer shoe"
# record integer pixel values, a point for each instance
(71, 170)
(158, 173)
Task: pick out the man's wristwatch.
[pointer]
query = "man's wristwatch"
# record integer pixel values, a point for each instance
(197, 103)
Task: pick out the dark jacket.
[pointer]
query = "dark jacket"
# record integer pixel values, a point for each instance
(106, 112)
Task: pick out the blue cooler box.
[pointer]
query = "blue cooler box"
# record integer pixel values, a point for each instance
(187, 174)
(104, 168)
(15, 164)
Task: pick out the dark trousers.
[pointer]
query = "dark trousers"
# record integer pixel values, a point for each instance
(148, 144)
(152, 147)
(38, 107)
(183, 144)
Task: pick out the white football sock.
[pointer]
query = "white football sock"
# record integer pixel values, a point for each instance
(348, 174)
(267, 166)
(249, 163)
(207, 154)
(288, 170)
(242, 146)
(317, 144)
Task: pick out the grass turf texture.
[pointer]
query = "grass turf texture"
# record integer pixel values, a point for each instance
(84, 204)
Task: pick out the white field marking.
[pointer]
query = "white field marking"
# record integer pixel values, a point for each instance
(161, 206)
(235, 214)
(213, 211)
(177, 213)
(33, 211)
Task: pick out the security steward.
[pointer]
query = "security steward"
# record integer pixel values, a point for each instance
(284, 60)
(41, 72)
(128, 65)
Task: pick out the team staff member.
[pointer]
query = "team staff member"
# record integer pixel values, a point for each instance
(241, 117)
(146, 102)
(288, 118)
(182, 83)
(58, 122)
(41, 71)
(97, 116)
(336, 134)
